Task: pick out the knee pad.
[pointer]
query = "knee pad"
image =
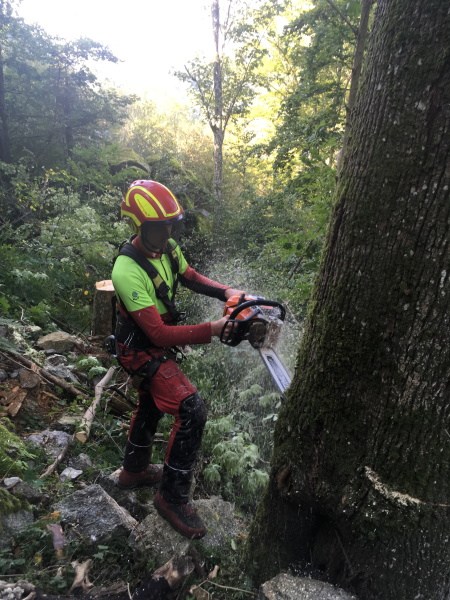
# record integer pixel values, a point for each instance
(194, 409)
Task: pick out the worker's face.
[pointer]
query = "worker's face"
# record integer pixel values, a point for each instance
(154, 236)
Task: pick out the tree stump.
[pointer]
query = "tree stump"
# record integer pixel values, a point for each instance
(102, 310)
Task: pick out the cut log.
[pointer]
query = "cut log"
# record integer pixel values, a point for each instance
(102, 309)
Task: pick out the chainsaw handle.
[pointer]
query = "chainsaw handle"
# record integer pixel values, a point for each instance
(257, 302)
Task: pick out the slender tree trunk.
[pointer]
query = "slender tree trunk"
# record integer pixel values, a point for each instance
(218, 167)
(217, 126)
(5, 149)
(360, 482)
(67, 116)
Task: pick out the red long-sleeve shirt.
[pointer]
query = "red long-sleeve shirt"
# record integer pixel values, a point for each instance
(163, 335)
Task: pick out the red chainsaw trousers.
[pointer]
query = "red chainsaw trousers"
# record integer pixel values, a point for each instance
(168, 391)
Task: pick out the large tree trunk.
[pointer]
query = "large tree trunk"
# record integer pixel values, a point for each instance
(360, 482)
(358, 58)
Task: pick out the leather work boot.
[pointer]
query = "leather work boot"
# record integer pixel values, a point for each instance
(183, 517)
(150, 476)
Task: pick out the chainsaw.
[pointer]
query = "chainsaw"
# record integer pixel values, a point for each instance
(258, 321)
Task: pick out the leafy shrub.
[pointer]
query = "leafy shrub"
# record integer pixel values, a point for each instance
(92, 366)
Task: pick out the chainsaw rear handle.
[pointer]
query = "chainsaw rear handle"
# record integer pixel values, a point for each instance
(257, 302)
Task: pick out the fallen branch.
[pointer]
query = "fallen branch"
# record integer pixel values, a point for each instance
(81, 575)
(29, 364)
(49, 470)
(88, 417)
(199, 591)
(222, 587)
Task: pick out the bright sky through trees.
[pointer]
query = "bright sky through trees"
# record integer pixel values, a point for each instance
(150, 37)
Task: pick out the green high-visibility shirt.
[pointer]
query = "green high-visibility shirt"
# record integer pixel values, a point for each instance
(135, 288)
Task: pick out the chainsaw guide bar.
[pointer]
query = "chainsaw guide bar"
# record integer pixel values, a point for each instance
(258, 321)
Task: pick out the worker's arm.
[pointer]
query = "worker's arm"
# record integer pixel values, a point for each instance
(203, 285)
(164, 336)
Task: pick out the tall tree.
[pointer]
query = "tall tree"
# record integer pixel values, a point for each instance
(6, 11)
(360, 481)
(50, 100)
(224, 87)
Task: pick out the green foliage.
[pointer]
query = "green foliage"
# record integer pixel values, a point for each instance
(284, 226)
(237, 440)
(53, 102)
(92, 366)
(71, 155)
(34, 557)
(4, 305)
(8, 503)
(59, 253)
(40, 314)
(14, 455)
(319, 44)
(233, 463)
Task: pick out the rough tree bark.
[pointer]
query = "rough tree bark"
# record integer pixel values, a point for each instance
(361, 39)
(360, 481)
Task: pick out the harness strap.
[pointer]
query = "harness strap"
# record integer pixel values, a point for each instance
(161, 288)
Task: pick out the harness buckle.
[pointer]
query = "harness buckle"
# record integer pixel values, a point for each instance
(109, 344)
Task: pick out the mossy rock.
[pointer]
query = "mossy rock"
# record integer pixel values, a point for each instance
(13, 454)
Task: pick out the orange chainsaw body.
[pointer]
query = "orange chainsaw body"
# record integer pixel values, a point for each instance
(248, 320)
(246, 313)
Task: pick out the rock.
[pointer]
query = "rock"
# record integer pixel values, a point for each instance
(32, 331)
(3, 374)
(10, 482)
(220, 519)
(32, 494)
(82, 461)
(15, 591)
(13, 523)
(137, 502)
(68, 423)
(289, 587)
(59, 341)
(56, 364)
(156, 539)
(55, 360)
(63, 373)
(94, 514)
(69, 474)
(28, 379)
(53, 442)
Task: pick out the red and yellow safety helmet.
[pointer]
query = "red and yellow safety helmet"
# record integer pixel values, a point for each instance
(147, 200)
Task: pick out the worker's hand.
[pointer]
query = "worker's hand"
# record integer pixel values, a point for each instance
(232, 292)
(217, 326)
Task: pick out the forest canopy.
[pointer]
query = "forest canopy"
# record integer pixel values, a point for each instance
(69, 146)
